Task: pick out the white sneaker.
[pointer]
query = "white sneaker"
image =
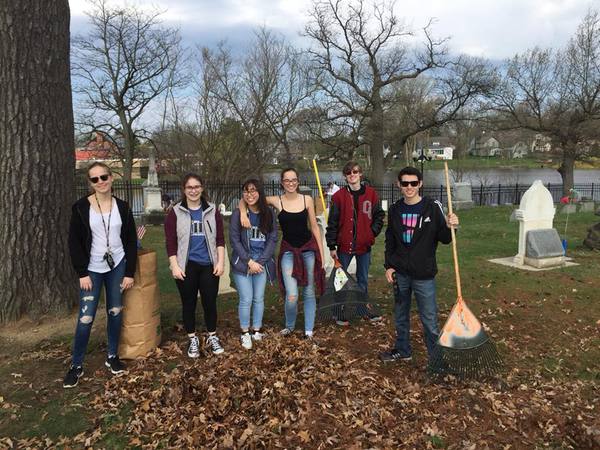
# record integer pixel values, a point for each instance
(246, 340)
(212, 342)
(257, 336)
(194, 347)
(286, 332)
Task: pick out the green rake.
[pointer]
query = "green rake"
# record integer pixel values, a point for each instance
(343, 299)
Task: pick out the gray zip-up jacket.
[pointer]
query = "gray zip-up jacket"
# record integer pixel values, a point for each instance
(178, 230)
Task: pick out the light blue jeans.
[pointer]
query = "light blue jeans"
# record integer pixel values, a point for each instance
(251, 290)
(291, 291)
(88, 304)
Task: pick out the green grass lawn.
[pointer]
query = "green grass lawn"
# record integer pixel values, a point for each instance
(545, 324)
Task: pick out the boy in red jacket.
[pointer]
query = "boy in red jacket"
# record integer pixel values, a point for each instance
(355, 219)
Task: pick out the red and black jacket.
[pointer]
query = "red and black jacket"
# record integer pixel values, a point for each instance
(353, 230)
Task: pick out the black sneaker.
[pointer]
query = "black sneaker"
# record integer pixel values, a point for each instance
(213, 343)
(393, 356)
(115, 365)
(72, 377)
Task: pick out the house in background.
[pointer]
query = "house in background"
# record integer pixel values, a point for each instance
(438, 147)
(485, 145)
(98, 149)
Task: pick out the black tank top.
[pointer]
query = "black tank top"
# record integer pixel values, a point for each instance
(294, 226)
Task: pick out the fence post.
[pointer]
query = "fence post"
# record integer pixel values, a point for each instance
(499, 190)
(516, 193)
(592, 191)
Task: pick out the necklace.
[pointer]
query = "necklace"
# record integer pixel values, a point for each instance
(107, 255)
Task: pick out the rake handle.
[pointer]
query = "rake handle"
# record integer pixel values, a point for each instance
(454, 250)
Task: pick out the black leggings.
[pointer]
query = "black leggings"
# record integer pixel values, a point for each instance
(199, 278)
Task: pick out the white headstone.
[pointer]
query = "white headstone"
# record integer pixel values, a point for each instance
(535, 212)
(225, 280)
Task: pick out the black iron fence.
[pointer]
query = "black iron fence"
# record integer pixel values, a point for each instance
(230, 193)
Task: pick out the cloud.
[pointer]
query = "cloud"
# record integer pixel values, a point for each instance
(495, 29)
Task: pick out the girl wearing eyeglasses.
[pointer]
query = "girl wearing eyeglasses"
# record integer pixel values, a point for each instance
(103, 249)
(300, 254)
(196, 251)
(252, 259)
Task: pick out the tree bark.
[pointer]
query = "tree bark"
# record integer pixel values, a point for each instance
(36, 158)
(566, 170)
(375, 128)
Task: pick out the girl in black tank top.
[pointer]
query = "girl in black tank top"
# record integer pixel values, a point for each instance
(294, 225)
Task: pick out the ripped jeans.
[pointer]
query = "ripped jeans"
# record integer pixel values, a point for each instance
(88, 304)
(291, 291)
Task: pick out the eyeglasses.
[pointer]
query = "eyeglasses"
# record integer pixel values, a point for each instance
(352, 172)
(251, 191)
(193, 188)
(104, 177)
(289, 181)
(413, 183)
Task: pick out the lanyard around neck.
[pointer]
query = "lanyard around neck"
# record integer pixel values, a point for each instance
(106, 229)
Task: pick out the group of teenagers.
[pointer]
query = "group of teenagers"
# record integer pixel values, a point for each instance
(103, 247)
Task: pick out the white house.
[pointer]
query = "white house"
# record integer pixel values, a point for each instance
(438, 147)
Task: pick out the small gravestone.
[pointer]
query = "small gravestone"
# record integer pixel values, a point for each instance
(587, 206)
(544, 248)
(569, 208)
(462, 196)
(592, 241)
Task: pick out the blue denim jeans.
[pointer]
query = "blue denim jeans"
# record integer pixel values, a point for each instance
(291, 291)
(363, 262)
(251, 290)
(88, 304)
(425, 295)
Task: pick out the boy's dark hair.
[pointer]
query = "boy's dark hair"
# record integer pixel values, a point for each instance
(349, 166)
(410, 171)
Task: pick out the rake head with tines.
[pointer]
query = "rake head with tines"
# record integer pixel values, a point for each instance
(343, 299)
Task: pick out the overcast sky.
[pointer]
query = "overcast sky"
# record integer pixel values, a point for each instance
(494, 29)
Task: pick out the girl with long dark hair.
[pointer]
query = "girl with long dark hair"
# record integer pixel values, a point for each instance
(196, 251)
(252, 259)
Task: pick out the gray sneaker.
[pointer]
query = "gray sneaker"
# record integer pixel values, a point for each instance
(286, 332)
(213, 343)
(194, 347)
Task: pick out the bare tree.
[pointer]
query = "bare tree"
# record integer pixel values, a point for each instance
(122, 65)
(36, 158)
(556, 93)
(366, 55)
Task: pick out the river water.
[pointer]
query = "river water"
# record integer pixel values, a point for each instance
(492, 176)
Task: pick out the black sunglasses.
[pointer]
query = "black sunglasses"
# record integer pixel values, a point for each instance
(411, 183)
(104, 177)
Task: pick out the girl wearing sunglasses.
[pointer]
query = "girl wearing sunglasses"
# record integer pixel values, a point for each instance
(103, 249)
(196, 251)
(252, 258)
(301, 251)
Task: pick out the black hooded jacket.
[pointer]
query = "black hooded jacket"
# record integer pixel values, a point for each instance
(80, 236)
(416, 260)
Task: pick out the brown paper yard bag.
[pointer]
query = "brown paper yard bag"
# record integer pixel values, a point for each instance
(141, 333)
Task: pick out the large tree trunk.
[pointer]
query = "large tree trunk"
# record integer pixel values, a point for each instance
(36, 158)
(375, 135)
(566, 170)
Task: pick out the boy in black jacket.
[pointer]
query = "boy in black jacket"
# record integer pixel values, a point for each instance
(415, 226)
